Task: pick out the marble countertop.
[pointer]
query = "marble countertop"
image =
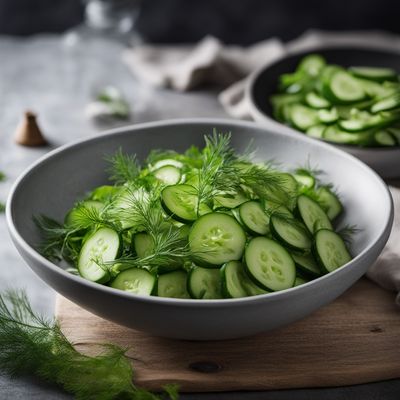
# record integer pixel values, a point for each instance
(55, 76)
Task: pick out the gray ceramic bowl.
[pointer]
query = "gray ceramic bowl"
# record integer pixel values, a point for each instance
(264, 83)
(53, 183)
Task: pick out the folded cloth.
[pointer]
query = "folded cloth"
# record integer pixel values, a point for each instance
(386, 271)
(210, 62)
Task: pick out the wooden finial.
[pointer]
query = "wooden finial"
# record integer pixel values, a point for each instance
(28, 132)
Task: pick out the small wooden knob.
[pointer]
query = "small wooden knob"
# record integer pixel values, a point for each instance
(28, 132)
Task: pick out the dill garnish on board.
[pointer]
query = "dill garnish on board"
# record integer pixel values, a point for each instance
(33, 345)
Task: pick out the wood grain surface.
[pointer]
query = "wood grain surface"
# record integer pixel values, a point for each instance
(355, 339)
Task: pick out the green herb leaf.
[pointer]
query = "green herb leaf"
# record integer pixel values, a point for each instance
(124, 167)
(33, 345)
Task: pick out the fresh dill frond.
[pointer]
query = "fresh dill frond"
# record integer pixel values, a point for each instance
(2, 207)
(33, 345)
(347, 233)
(86, 217)
(2, 176)
(123, 167)
(309, 169)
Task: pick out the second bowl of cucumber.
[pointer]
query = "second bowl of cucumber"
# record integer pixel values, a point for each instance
(347, 97)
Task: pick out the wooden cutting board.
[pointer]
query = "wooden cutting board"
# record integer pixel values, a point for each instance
(355, 339)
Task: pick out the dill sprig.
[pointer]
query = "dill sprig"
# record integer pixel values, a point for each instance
(123, 167)
(33, 345)
(2, 207)
(347, 233)
(57, 241)
(218, 172)
(2, 176)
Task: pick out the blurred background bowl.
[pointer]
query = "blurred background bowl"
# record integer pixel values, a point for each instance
(54, 183)
(264, 83)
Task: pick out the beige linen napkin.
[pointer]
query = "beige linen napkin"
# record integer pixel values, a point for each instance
(210, 62)
(386, 271)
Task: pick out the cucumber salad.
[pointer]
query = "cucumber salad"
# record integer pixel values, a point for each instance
(356, 106)
(203, 224)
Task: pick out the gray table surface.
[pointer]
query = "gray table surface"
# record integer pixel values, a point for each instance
(56, 76)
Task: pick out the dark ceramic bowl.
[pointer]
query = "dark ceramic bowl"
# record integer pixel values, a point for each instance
(264, 83)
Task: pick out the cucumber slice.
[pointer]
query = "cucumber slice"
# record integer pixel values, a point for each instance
(103, 245)
(388, 103)
(204, 283)
(305, 180)
(311, 213)
(173, 284)
(344, 88)
(328, 116)
(166, 161)
(330, 250)
(180, 201)
(229, 200)
(72, 216)
(329, 202)
(374, 73)
(269, 264)
(290, 233)
(384, 138)
(314, 100)
(236, 283)
(135, 280)
(316, 131)
(303, 117)
(217, 238)
(300, 281)
(143, 244)
(270, 208)
(254, 218)
(336, 135)
(395, 132)
(361, 121)
(169, 175)
(307, 264)
(312, 64)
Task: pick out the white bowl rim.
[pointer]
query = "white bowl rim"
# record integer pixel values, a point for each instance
(17, 237)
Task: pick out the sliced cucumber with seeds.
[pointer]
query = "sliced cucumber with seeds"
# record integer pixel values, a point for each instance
(173, 284)
(330, 202)
(312, 64)
(316, 131)
(313, 216)
(307, 264)
(216, 238)
(143, 244)
(330, 250)
(254, 218)
(236, 283)
(374, 73)
(328, 116)
(167, 161)
(388, 103)
(290, 233)
(305, 180)
(314, 100)
(136, 281)
(303, 117)
(180, 201)
(384, 138)
(229, 200)
(204, 283)
(103, 245)
(269, 264)
(344, 88)
(168, 175)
